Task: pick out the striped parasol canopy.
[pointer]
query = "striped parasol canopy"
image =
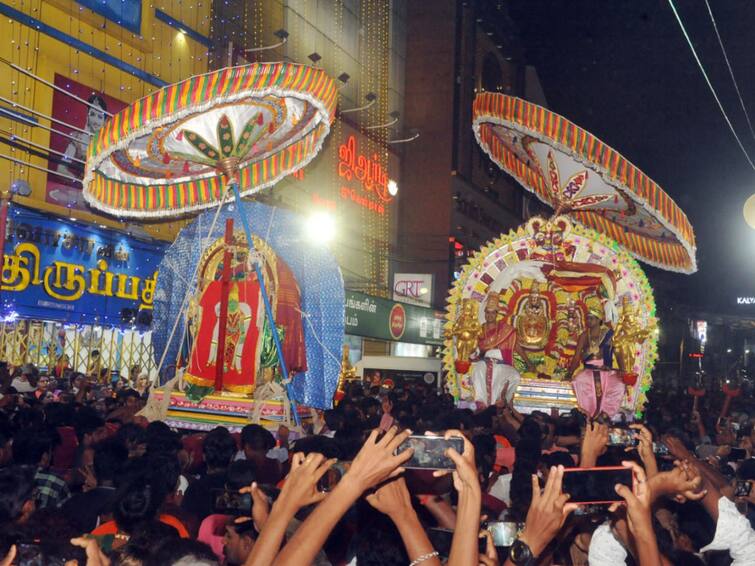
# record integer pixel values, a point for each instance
(574, 172)
(167, 153)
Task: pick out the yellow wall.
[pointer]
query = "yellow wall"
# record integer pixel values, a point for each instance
(161, 51)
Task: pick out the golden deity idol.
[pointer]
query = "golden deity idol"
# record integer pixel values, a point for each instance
(467, 331)
(629, 335)
(533, 324)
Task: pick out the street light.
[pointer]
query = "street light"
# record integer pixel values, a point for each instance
(321, 228)
(392, 187)
(282, 36)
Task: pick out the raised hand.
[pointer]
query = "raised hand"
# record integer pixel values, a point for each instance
(300, 487)
(548, 511)
(376, 461)
(639, 501)
(683, 483)
(490, 558)
(11, 556)
(95, 556)
(677, 448)
(392, 498)
(465, 475)
(594, 444)
(260, 505)
(645, 449)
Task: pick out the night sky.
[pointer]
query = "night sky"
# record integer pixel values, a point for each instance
(623, 71)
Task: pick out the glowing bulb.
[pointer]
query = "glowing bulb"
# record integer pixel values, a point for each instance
(749, 212)
(321, 228)
(392, 187)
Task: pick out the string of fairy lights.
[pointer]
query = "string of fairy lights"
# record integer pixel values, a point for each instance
(170, 56)
(160, 50)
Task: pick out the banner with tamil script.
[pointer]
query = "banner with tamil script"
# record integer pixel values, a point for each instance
(374, 317)
(60, 269)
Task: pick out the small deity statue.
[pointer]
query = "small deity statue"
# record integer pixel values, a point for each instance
(533, 324)
(467, 331)
(550, 243)
(348, 373)
(573, 320)
(629, 334)
(239, 317)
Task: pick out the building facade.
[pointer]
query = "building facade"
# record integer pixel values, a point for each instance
(446, 177)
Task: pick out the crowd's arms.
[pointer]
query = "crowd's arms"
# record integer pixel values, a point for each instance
(464, 549)
(375, 463)
(393, 500)
(299, 490)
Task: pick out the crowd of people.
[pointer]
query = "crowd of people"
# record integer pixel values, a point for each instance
(84, 479)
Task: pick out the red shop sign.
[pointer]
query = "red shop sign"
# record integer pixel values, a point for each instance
(368, 171)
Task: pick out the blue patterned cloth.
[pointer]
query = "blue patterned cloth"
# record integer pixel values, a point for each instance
(313, 266)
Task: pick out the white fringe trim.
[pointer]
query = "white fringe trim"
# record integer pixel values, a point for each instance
(605, 176)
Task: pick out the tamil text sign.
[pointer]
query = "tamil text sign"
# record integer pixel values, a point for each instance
(374, 317)
(57, 269)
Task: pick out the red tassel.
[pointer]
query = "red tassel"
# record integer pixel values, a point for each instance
(166, 158)
(260, 119)
(186, 167)
(180, 135)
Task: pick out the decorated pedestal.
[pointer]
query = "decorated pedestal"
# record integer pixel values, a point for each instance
(232, 412)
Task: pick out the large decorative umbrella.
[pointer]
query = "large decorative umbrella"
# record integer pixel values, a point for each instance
(573, 171)
(167, 153)
(183, 147)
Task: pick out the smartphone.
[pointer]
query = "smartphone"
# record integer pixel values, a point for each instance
(596, 485)
(29, 554)
(271, 491)
(231, 502)
(441, 540)
(737, 454)
(743, 488)
(430, 452)
(331, 478)
(621, 437)
(660, 449)
(504, 532)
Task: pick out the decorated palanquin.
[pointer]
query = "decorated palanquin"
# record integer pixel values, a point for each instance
(199, 144)
(246, 341)
(569, 285)
(545, 273)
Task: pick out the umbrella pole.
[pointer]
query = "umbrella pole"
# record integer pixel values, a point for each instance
(268, 307)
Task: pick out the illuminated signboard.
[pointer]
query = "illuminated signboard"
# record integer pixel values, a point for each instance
(373, 188)
(415, 288)
(56, 269)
